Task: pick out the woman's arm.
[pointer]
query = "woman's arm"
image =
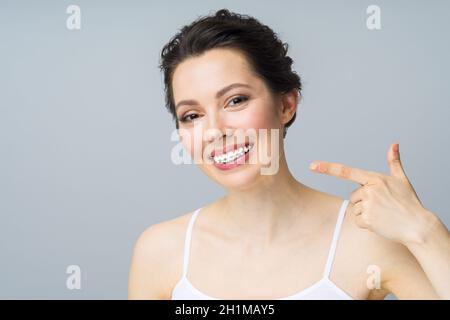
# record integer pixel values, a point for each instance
(402, 275)
(432, 251)
(389, 206)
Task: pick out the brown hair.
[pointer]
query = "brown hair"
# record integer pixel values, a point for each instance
(265, 52)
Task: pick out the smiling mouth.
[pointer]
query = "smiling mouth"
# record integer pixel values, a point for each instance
(232, 155)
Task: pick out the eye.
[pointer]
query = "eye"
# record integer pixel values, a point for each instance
(188, 118)
(238, 99)
(192, 116)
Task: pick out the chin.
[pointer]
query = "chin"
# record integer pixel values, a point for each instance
(240, 178)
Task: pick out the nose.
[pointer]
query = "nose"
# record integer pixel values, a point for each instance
(216, 128)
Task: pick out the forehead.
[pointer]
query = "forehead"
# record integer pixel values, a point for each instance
(202, 76)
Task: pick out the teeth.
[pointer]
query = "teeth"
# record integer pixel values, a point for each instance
(232, 155)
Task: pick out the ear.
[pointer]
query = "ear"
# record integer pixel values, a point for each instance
(289, 103)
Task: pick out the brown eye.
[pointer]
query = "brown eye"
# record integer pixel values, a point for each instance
(189, 117)
(238, 99)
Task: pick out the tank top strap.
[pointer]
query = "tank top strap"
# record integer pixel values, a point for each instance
(187, 241)
(336, 233)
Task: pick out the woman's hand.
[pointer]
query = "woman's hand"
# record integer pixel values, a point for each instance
(385, 204)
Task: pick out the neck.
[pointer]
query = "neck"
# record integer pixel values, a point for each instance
(264, 211)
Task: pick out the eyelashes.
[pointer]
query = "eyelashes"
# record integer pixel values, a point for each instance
(192, 116)
(244, 98)
(187, 118)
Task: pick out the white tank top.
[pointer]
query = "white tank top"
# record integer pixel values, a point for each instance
(323, 289)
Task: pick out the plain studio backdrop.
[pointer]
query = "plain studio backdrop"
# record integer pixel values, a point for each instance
(85, 142)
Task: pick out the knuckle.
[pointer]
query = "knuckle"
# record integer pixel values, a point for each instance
(360, 222)
(344, 171)
(366, 219)
(370, 191)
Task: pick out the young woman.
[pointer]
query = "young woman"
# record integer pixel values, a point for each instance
(270, 236)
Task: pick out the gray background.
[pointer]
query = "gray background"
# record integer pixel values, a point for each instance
(85, 138)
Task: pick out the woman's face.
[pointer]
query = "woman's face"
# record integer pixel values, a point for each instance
(221, 105)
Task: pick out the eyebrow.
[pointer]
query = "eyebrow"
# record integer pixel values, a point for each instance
(219, 93)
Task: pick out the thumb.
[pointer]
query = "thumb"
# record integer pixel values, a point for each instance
(395, 164)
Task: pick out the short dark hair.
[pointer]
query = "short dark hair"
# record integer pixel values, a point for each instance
(265, 52)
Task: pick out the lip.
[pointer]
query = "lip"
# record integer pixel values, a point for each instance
(236, 163)
(228, 148)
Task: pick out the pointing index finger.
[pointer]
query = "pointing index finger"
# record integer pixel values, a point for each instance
(343, 172)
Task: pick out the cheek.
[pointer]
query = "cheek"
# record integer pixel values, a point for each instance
(259, 116)
(263, 116)
(190, 139)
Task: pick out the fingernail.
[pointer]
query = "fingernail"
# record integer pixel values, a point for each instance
(396, 147)
(314, 166)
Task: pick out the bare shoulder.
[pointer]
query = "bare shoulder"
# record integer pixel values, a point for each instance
(367, 252)
(156, 262)
(163, 235)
